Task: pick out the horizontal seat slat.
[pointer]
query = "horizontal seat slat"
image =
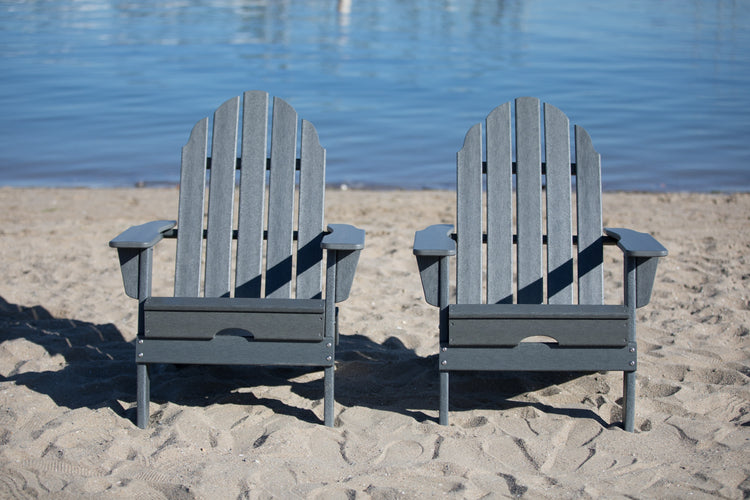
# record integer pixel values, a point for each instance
(508, 325)
(236, 304)
(560, 311)
(229, 350)
(548, 358)
(261, 319)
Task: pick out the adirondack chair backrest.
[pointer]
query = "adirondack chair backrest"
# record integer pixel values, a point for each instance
(266, 186)
(543, 195)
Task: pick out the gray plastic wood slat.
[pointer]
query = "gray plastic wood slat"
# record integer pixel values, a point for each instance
(499, 207)
(559, 222)
(529, 201)
(589, 209)
(219, 304)
(530, 311)
(592, 332)
(249, 264)
(311, 201)
(235, 350)
(190, 213)
(508, 324)
(255, 325)
(469, 219)
(221, 199)
(281, 200)
(546, 358)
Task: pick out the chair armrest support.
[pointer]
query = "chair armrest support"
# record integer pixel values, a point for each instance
(144, 236)
(343, 237)
(434, 241)
(645, 252)
(432, 247)
(635, 244)
(134, 252)
(343, 244)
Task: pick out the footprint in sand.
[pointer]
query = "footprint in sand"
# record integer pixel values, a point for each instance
(400, 452)
(717, 376)
(657, 390)
(474, 422)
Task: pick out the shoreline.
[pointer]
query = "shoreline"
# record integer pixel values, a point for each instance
(67, 376)
(343, 186)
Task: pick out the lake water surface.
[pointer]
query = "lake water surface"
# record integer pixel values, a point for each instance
(105, 92)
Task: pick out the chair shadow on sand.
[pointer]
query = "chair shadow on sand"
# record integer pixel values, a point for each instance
(98, 371)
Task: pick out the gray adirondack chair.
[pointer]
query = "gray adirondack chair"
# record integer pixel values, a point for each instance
(276, 316)
(484, 328)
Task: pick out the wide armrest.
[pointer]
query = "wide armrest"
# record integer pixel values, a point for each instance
(432, 246)
(435, 241)
(346, 241)
(635, 244)
(343, 237)
(143, 236)
(646, 251)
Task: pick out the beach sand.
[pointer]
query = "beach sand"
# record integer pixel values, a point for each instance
(67, 373)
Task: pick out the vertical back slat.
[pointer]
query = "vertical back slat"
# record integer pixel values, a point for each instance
(529, 201)
(589, 209)
(499, 207)
(311, 201)
(559, 222)
(187, 279)
(221, 199)
(469, 221)
(251, 212)
(281, 200)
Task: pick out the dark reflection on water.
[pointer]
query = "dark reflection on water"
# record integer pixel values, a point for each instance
(104, 93)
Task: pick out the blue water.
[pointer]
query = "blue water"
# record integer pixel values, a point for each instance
(105, 92)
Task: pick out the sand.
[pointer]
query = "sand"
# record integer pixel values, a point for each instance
(67, 373)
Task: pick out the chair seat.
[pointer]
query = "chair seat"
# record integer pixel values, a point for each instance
(507, 325)
(261, 319)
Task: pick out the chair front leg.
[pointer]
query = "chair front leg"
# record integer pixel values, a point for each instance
(444, 397)
(331, 335)
(628, 401)
(143, 395)
(143, 389)
(628, 385)
(328, 399)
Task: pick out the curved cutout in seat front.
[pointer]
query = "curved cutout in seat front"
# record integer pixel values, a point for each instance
(545, 339)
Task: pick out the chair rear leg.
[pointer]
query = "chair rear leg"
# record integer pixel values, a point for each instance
(328, 399)
(628, 401)
(143, 395)
(444, 396)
